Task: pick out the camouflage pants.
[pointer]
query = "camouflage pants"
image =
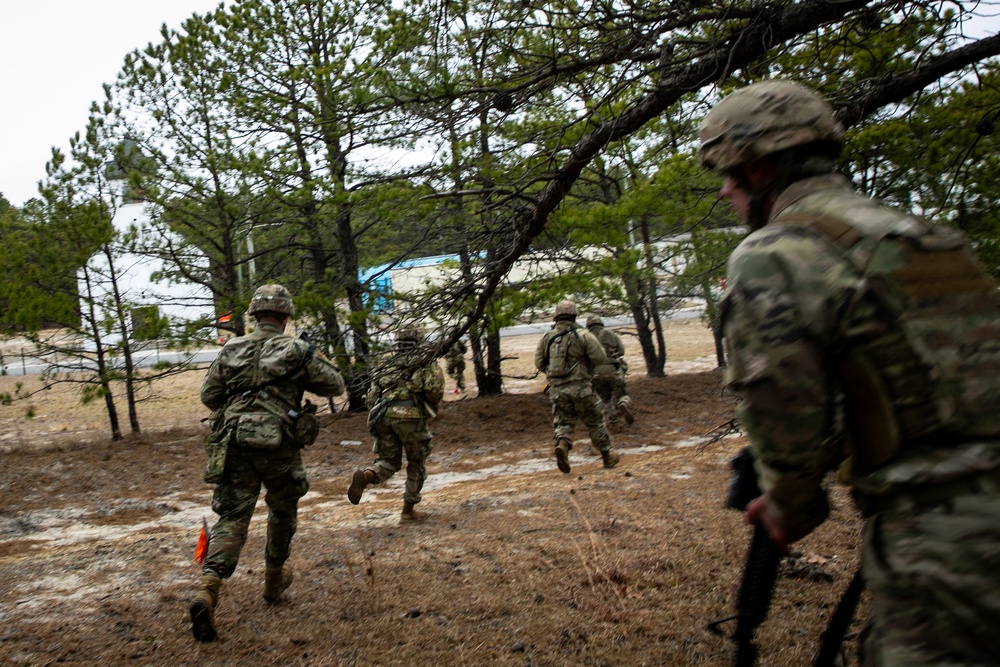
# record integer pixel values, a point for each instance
(284, 478)
(934, 575)
(456, 370)
(576, 401)
(612, 390)
(393, 437)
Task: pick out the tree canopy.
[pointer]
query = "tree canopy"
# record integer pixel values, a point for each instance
(305, 141)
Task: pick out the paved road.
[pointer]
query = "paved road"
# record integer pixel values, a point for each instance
(27, 365)
(18, 365)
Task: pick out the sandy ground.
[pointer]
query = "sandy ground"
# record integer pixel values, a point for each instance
(517, 563)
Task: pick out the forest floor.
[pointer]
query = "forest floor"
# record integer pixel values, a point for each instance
(516, 564)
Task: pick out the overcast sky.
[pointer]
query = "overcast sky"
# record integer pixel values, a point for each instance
(54, 57)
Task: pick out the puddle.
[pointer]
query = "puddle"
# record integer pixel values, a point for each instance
(67, 526)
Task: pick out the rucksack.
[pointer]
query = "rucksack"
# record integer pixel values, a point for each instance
(557, 363)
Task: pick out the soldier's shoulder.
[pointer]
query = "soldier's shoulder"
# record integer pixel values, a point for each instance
(775, 240)
(234, 345)
(236, 341)
(287, 346)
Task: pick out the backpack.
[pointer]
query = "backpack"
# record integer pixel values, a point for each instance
(557, 363)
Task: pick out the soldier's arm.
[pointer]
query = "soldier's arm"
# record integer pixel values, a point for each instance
(777, 369)
(593, 349)
(433, 384)
(322, 377)
(540, 354)
(213, 389)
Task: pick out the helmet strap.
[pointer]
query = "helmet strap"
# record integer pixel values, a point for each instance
(759, 198)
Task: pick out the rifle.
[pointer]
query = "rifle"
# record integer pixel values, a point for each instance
(843, 615)
(760, 571)
(760, 574)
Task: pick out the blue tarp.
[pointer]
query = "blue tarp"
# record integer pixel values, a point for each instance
(379, 279)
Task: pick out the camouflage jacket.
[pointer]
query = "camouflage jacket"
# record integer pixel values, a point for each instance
(265, 354)
(805, 320)
(584, 353)
(413, 391)
(614, 348)
(456, 352)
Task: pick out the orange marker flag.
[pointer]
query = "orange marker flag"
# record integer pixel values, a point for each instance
(201, 551)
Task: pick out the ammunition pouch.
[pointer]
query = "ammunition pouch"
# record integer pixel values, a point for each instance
(259, 430)
(376, 413)
(216, 447)
(305, 428)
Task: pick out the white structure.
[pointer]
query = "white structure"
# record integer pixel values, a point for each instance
(415, 276)
(146, 299)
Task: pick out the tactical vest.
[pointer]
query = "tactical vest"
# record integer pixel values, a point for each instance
(918, 354)
(410, 393)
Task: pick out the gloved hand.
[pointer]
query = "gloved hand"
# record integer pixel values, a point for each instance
(781, 535)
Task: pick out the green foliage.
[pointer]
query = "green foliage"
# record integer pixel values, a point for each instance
(93, 392)
(941, 160)
(40, 255)
(302, 141)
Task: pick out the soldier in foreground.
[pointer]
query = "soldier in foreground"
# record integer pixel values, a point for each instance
(567, 354)
(609, 377)
(456, 364)
(402, 400)
(254, 388)
(843, 311)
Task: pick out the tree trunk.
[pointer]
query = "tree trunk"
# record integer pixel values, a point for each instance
(125, 332)
(102, 375)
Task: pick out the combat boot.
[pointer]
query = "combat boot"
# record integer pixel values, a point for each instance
(276, 581)
(610, 458)
(626, 410)
(410, 514)
(203, 609)
(359, 481)
(562, 455)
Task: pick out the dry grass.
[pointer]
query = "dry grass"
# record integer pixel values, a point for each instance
(517, 563)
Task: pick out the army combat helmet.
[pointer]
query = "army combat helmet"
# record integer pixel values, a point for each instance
(765, 118)
(413, 333)
(272, 299)
(565, 310)
(594, 321)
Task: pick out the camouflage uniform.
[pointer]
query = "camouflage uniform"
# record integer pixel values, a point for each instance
(413, 396)
(572, 395)
(245, 362)
(863, 338)
(609, 377)
(456, 364)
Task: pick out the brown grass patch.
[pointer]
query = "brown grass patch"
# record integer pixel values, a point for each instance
(517, 563)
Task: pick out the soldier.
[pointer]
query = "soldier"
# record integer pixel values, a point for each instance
(456, 364)
(609, 377)
(401, 402)
(866, 339)
(255, 389)
(567, 355)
